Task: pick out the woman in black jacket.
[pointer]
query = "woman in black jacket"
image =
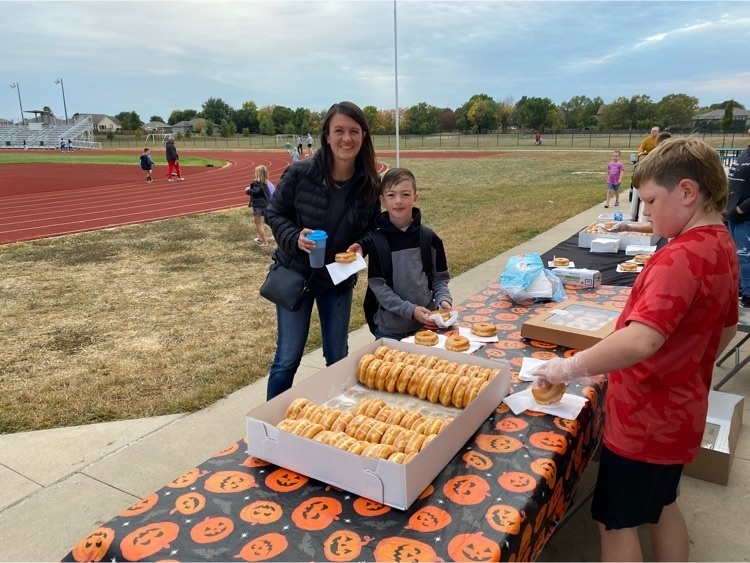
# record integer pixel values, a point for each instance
(335, 191)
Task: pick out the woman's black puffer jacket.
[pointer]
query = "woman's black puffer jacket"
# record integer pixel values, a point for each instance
(301, 200)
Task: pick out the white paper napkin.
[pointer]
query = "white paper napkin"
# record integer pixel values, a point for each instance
(473, 346)
(465, 331)
(453, 319)
(527, 366)
(339, 272)
(570, 405)
(633, 249)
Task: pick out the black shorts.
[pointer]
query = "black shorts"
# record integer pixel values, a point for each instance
(631, 493)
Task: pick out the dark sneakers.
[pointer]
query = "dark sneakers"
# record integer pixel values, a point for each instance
(745, 301)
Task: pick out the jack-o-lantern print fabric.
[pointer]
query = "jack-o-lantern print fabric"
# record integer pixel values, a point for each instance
(497, 500)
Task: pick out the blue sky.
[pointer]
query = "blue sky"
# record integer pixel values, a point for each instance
(156, 56)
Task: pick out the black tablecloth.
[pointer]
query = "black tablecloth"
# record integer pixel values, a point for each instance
(605, 262)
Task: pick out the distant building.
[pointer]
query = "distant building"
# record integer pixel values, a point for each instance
(712, 119)
(194, 125)
(157, 127)
(102, 123)
(5, 122)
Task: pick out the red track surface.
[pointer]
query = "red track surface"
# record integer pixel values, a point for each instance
(45, 200)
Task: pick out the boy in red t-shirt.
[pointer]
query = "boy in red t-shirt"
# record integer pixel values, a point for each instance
(681, 313)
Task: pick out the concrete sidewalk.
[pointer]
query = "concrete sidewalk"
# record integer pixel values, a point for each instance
(58, 485)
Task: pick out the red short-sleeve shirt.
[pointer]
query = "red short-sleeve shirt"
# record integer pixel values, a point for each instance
(656, 410)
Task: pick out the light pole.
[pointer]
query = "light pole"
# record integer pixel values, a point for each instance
(62, 85)
(17, 87)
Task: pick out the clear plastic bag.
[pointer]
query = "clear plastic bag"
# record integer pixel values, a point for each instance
(525, 279)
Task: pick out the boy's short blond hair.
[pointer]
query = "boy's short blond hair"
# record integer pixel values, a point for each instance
(677, 159)
(395, 176)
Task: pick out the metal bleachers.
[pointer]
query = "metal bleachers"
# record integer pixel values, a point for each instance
(48, 136)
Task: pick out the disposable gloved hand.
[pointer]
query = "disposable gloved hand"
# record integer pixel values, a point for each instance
(560, 370)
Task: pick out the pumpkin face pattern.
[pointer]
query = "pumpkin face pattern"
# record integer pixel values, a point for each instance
(497, 444)
(427, 492)
(212, 530)
(466, 489)
(570, 426)
(284, 481)
(550, 441)
(509, 344)
(476, 460)
(344, 545)
(254, 462)
(429, 519)
(366, 507)
(140, 506)
(147, 540)
(404, 549)
(316, 513)
(473, 547)
(504, 518)
(229, 482)
(228, 451)
(187, 478)
(543, 355)
(263, 548)
(516, 482)
(94, 546)
(261, 512)
(189, 503)
(547, 469)
(511, 424)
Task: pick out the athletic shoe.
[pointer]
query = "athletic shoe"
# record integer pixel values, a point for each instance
(606, 206)
(256, 240)
(181, 179)
(745, 301)
(617, 203)
(170, 180)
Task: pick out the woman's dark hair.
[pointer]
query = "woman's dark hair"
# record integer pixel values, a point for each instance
(365, 159)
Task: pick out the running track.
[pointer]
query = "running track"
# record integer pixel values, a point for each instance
(46, 200)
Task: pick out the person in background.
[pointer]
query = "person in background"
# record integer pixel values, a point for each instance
(663, 136)
(260, 192)
(615, 170)
(70, 145)
(295, 155)
(309, 142)
(62, 144)
(335, 191)
(681, 313)
(147, 164)
(25, 146)
(738, 217)
(649, 143)
(405, 306)
(173, 160)
(299, 146)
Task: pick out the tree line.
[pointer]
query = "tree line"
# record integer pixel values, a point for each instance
(480, 114)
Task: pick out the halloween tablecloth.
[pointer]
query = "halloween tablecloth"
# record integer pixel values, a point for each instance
(498, 499)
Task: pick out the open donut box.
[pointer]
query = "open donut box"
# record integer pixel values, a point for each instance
(573, 324)
(393, 484)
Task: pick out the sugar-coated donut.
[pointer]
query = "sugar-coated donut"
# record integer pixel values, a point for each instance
(426, 338)
(551, 394)
(341, 422)
(345, 257)
(403, 379)
(560, 261)
(433, 393)
(457, 343)
(629, 267)
(484, 330)
(447, 390)
(295, 407)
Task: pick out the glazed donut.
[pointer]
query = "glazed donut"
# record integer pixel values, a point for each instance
(389, 355)
(404, 378)
(358, 447)
(426, 338)
(376, 432)
(334, 437)
(430, 362)
(440, 365)
(484, 330)
(641, 258)
(298, 426)
(424, 383)
(410, 419)
(417, 359)
(307, 410)
(629, 267)
(403, 440)
(434, 427)
(462, 369)
(374, 408)
(400, 356)
(429, 438)
(397, 457)
(420, 425)
(322, 436)
(409, 457)
(610, 224)
(390, 435)
(353, 426)
(345, 257)
(372, 370)
(451, 367)
(472, 391)
(345, 443)
(413, 385)
(361, 407)
(457, 398)
(312, 431)
(330, 418)
(457, 343)
(319, 413)
(551, 394)
(397, 416)
(433, 393)
(560, 261)
(285, 424)
(341, 422)
(392, 377)
(364, 429)
(364, 361)
(381, 375)
(483, 374)
(384, 413)
(415, 443)
(447, 390)
(444, 314)
(295, 407)
(380, 351)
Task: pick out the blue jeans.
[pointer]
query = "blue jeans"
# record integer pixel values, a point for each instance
(741, 234)
(334, 309)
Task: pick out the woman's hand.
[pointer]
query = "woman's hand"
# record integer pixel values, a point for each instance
(304, 243)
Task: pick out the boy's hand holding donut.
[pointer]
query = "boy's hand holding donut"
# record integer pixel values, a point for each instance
(560, 370)
(422, 315)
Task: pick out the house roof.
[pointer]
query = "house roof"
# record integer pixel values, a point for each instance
(97, 117)
(718, 114)
(157, 125)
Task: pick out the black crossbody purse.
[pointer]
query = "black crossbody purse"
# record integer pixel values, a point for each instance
(284, 287)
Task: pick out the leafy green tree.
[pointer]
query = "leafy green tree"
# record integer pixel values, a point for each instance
(246, 132)
(301, 120)
(267, 126)
(371, 115)
(178, 115)
(48, 111)
(723, 105)
(728, 119)
(480, 114)
(111, 135)
(537, 113)
(216, 109)
(385, 124)
(578, 111)
(505, 112)
(447, 120)
(156, 118)
(224, 128)
(642, 111)
(247, 117)
(422, 119)
(676, 110)
(615, 115)
(209, 129)
(129, 120)
(283, 116)
(188, 134)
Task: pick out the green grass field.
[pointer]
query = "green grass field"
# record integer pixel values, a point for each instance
(165, 317)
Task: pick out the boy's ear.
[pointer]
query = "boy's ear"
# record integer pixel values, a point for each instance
(689, 191)
(416, 196)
